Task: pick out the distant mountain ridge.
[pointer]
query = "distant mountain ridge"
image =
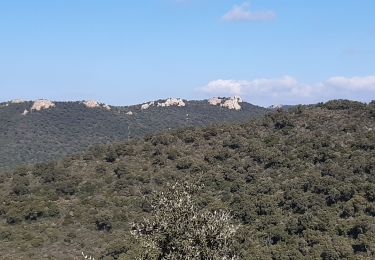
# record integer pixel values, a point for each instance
(35, 131)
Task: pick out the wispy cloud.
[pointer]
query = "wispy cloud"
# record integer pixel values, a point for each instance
(243, 12)
(288, 89)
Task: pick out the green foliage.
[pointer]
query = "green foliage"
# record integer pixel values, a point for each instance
(343, 104)
(178, 229)
(70, 127)
(302, 191)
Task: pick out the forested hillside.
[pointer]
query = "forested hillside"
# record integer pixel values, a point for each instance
(301, 184)
(34, 136)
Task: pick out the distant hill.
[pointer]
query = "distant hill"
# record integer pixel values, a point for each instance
(39, 131)
(301, 183)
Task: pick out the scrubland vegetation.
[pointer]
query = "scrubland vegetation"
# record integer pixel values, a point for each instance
(71, 127)
(297, 183)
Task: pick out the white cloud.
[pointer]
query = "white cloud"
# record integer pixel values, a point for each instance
(234, 87)
(272, 87)
(243, 13)
(289, 90)
(355, 83)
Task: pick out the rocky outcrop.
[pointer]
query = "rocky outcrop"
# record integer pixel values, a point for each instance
(215, 101)
(172, 102)
(230, 103)
(42, 104)
(105, 106)
(13, 101)
(25, 112)
(178, 102)
(233, 103)
(91, 103)
(95, 104)
(147, 105)
(275, 106)
(17, 101)
(130, 113)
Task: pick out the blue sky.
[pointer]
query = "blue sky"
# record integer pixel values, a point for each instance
(126, 52)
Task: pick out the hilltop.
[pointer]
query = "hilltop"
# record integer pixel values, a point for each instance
(42, 130)
(301, 183)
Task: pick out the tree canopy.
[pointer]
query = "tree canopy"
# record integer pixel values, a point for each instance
(300, 183)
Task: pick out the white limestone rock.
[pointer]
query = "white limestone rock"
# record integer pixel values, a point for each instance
(91, 103)
(130, 113)
(17, 101)
(233, 103)
(25, 112)
(147, 105)
(13, 101)
(275, 106)
(42, 104)
(172, 102)
(230, 103)
(215, 101)
(95, 104)
(105, 106)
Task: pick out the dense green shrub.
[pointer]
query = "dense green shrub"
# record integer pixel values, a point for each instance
(303, 191)
(70, 127)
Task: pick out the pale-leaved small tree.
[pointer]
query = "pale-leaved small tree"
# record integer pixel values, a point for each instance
(179, 229)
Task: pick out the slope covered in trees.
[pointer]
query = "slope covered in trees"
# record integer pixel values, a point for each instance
(70, 127)
(301, 184)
